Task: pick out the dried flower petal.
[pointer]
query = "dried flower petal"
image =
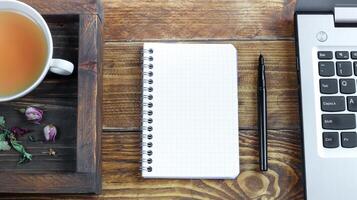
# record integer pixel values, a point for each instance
(34, 114)
(51, 152)
(50, 132)
(19, 132)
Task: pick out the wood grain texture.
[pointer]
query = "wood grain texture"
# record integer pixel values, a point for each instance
(198, 19)
(66, 6)
(58, 96)
(89, 100)
(122, 84)
(73, 104)
(252, 26)
(121, 177)
(121, 174)
(33, 182)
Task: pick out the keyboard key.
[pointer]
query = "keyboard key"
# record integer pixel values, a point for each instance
(347, 86)
(339, 121)
(354, 54)
(331, 140)
(344, 68)
(348, 139)
(325, 55)
(342, 55)
(328, 86)
(352, 104)
(333, 104)
(355, 67)
(326, 69)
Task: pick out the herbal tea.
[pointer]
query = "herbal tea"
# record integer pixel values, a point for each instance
(23, 52)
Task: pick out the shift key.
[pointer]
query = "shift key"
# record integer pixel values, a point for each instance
(339, 121)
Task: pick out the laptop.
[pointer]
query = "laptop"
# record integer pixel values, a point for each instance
(326, 41)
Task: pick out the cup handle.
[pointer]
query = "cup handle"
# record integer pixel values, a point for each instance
(61, 67)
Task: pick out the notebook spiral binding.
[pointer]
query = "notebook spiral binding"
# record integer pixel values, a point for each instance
(147, 112)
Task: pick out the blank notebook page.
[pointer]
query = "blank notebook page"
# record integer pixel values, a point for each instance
(190, 111)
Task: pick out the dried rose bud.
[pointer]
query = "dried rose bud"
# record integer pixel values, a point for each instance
(19, 132)
(33, 114)
(50, 133)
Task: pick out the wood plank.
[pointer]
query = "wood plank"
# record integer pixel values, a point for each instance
(76, 166)
(64, 117)
(282, 181)
(66, 6)
(121, 177)
(198, 19)
(63, 161)
(89, 100)
(195, 20)
(122, 84)
(56, 182)
(58, 96)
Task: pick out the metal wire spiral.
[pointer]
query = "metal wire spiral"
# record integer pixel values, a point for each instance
(147, 103)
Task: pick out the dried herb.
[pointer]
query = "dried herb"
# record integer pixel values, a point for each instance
(8, 139)
(19, 148)
(2, 121)
(4, 146)
(32, 138)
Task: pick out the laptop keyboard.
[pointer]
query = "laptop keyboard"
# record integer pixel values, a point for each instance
(338, 73)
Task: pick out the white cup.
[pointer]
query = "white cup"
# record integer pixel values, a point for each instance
(58, 66)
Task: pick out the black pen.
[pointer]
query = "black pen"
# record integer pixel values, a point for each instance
(262, 112)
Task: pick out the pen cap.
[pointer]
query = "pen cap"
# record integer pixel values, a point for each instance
(261, 71)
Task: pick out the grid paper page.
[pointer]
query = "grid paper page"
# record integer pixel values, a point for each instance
(195, 111)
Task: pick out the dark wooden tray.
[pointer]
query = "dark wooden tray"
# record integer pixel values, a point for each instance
(73, 104)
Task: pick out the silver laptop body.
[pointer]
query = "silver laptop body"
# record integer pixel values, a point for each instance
(326, 40)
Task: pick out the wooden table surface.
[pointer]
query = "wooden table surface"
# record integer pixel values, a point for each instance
(253, 26)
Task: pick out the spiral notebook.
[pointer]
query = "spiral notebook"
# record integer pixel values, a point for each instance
(190, 111)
